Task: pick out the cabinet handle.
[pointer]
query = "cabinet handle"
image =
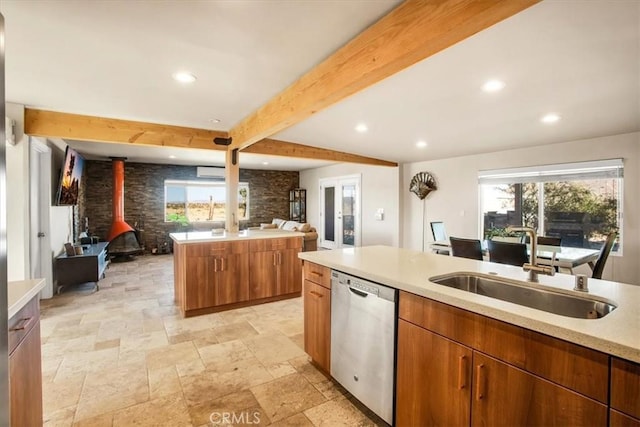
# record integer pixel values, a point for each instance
(222, 264)
(274, 258)
(279, 258)
(215, 265)
(21, 325)
(462, 372)
(317, 274)
(318, 294)
(479, 382)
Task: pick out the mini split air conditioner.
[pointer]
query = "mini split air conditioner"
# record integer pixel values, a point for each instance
(9, 130)
(210, 173)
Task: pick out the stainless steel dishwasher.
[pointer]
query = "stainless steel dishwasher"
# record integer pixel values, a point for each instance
(363, 330)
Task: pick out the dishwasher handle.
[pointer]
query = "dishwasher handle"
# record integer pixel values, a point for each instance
(358, 292)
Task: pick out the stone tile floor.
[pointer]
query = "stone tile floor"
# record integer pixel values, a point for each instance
(124, 356)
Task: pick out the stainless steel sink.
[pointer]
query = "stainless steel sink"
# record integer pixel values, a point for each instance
(582, 307)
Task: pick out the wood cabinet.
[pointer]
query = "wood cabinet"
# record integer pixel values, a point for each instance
(217, 276)
(275, 268)
(507, 396)
(317, 315)
(516, 376)
(25, 373)
(433, 379)
(625, 390)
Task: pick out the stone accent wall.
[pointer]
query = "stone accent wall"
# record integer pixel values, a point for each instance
(144, 198)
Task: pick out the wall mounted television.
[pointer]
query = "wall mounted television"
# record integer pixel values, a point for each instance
(70, 177)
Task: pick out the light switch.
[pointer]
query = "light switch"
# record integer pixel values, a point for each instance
(379, 214)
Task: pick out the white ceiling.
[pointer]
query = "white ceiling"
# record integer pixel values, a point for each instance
(580, 59)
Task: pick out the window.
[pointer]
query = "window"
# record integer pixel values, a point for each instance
(579, 202)
(201, 201)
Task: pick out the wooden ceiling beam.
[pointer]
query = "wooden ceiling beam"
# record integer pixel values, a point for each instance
(100, 129)
(413, 31)
(275, 147)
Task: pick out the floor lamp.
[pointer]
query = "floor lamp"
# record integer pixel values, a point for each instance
(423, 184)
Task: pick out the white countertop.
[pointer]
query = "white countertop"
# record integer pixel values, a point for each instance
(210, 236)
(19, 293)
(618, 333)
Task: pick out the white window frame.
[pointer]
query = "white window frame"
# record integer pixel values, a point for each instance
(203, 183)
(598, 169)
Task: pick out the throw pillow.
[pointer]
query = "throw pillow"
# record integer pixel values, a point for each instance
(290, 225)
(268, 226)
(278, 222)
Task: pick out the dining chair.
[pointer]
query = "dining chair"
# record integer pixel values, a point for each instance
(508, 253)
(466, 248)
(598, 269)
(549, 241)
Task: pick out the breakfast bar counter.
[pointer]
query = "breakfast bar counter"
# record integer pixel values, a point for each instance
(616, 333)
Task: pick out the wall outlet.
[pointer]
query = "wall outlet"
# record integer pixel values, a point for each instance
(379, 214)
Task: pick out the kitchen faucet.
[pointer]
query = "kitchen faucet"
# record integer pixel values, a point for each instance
(532, 267)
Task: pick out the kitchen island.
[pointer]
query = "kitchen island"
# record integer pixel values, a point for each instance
(464, 358)
(221, 271)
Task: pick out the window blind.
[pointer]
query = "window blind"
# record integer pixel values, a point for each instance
(600, 169)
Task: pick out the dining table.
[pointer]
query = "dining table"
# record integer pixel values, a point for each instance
(566, 258)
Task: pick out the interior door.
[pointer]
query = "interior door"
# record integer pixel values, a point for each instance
(40, 259)
(340, 212)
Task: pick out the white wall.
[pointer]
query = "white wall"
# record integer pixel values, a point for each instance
(379, 189)
(17, 198)
(457, 201)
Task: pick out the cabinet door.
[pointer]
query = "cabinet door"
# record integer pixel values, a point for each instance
(507, 396)
(625, 386)
(289, 272)
(200, 284)
(262, 275)
(232, 279)
(618, 419)
(25, 381)
(433, 379)
(317, 324)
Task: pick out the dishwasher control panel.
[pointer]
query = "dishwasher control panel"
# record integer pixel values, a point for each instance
(358, 284)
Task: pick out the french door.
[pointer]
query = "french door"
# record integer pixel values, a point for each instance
(340, 212)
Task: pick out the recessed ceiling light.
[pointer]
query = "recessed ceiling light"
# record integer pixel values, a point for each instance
(265, 163)
(184, 77)
(421, 144)
(550, 118)
(172, 156)
(493, 86)
(361, 127)
(214, 120)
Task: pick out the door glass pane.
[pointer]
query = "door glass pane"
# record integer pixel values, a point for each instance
(329, 209)
(348, 214)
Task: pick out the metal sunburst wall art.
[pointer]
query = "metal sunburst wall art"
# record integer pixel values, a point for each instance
(423, 184)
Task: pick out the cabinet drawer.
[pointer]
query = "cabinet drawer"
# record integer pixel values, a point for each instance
(23, 322)
(625, 387)
(318, 274)
(575, 367)
(263, 245)
(217, 249)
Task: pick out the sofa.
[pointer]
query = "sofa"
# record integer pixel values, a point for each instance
(310, 239)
